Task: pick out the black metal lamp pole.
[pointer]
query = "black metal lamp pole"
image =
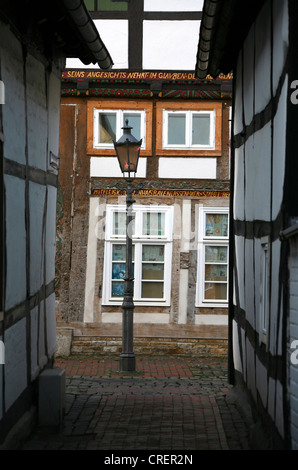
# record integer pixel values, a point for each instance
(128, 150)
(127, 357)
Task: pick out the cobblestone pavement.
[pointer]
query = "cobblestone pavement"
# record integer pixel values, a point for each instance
(168, 404)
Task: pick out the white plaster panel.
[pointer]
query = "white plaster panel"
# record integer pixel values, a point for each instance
(279, 151)
(42, 360)
(275, 343)
(279, 415)
(54, 97)
(15, 241)
(258, 175)
(239, 252)
(238, 107)
(15, 362)
(250, 368)
(50, 234)
(183, 295)
(261, 381)
(34, 342)
(249, 281)
(37, 194)
(257, 279)
(109, 167)
(51, 325)
(262, 58)
(1, 386)
(219, 320)
(293, 297)
(151, 318)
(238, 201)
(236, 348)
(244, 354)
(37, 115)
(173, 5)
(187, 168)
(14, 110)
(248, 77)
(280, 39)
(185, 221)
(234, 287)
(185, 224)
(170, 45)
(91, 259)
(114, 34)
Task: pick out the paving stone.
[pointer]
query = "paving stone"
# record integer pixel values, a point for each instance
(168, 403)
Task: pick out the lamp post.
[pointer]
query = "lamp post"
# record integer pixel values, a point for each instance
(128, 151)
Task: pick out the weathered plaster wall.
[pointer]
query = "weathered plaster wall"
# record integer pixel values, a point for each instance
(30, 119)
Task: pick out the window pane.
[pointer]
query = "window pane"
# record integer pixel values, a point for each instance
(134, 121)
(112, 5)
(201, 129)
(154, 223)
(119, 223)
(107, 127)
(216, 225)
(119, 253)
(216, 272)
(152, 271)
(117, 289)
(176, 129)
(215, 254)
(118, 270)
(215, 291)
(152, 290)
(153, 253)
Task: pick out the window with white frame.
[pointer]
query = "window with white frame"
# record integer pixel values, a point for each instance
(188, 129)
(213, 257)
(108, 125)
(152, 254)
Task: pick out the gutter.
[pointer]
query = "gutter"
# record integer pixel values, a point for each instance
(289, 232)
(79, 14)
(209, 19)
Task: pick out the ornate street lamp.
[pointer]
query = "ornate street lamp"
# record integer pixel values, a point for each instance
(128, 151)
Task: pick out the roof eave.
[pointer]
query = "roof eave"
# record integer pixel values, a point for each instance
(222, 34)
(86, 28)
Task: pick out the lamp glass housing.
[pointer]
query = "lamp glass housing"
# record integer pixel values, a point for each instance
(128, 151)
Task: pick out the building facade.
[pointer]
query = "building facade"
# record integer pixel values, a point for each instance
(32, 60)
(260, 48)
(181, 212)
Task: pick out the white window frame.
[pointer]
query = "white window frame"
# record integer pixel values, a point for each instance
(203, 241)
(188, 130)
(119, 124)
(138, 241)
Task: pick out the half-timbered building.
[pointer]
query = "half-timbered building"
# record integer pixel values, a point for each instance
(258, 41)
(34, 43)
(181, 212)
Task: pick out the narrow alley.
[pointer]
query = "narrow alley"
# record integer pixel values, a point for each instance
(170, 404)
